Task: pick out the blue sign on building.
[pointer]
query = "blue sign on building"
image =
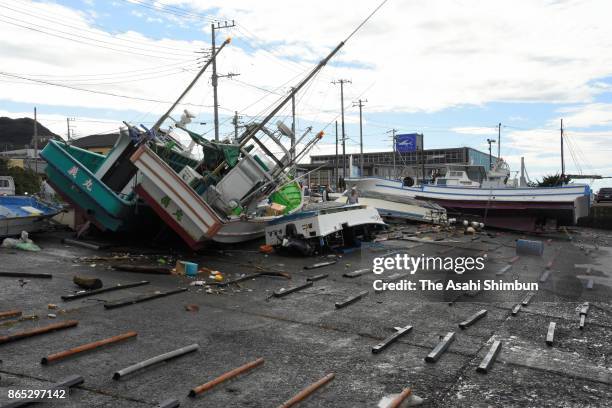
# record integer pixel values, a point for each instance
(406, 142)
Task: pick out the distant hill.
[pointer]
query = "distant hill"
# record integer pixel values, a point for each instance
(17, 133)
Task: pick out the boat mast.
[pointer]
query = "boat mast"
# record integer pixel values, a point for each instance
(165, 115)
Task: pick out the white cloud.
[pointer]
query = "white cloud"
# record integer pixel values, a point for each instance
(475, 130)
(584, 116)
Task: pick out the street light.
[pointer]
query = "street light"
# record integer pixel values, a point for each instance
(490, 141)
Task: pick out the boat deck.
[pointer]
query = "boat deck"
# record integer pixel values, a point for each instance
(303, 337)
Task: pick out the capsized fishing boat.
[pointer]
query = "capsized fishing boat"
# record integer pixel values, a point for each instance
(229, 196)
(102, 187)
(496, 199)
(23, 213)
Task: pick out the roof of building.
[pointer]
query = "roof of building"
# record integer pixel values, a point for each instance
(102, 140)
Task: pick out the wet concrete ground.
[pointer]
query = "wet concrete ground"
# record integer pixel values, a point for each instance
(303, 337)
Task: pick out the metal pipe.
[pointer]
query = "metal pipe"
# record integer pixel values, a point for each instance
(230, 374)
(26, 275)
(140, 299)
(40, 330)
(169, 403)
(103, 290)
(10, 313)
(400, 398)
(158, 359)
(306, 392)
(86, 347)
(64, 384)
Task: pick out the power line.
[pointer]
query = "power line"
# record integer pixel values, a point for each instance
(95, 92)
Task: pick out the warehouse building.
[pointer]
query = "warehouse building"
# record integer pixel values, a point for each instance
(322, 168)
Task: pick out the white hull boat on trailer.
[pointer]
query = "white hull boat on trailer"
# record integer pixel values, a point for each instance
(501, 205)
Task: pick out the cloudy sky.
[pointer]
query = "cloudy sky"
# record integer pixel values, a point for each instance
(450, 69)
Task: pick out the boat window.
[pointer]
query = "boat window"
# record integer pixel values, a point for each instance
(4, 183)
(456, 173)
(441, 181)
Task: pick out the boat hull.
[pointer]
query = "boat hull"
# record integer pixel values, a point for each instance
(76, 183)
(512, 208)
(14, 219)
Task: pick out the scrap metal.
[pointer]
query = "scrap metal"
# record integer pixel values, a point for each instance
(87, 347)
(224, 377)
(139, 299)
(119, 286)
(154, 360)
(38, 331)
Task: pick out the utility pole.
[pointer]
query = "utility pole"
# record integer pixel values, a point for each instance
(499, 140)
(562, 160)
(68, 120)
(292, 150)
(360, 104)
(35, 142)
(215, 77)
(236, 122)
(393, 131)
(342, 82)
(490, 141)
(337, 173)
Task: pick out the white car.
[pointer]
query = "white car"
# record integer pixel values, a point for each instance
(7, 185)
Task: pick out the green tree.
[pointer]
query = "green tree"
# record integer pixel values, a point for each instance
(553, 180)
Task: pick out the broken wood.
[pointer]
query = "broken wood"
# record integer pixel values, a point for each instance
(550, 336)
(320, 265)
(391, 339)
(356, 273)
(317, 277)
(442, 346)
(351, 300)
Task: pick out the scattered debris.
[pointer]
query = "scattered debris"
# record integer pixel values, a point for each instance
(399, 332)
(152, 269)
(83, 294)
(283, 292)
(142, 298)
(550, 336)
(584, 310)
(544, 276)
(589, 284)
(528, 247)
(440, 348)
(224, 377)
(306, 392)
(473, 319)
(87, 282)
(192, 308)
(169, 403)
(51, 315)
(266, 249)
(411, 401)
(527, 298)
(26, 275)
(10, 313)
(489, 359)
(87, 347)
(516, 309)
(23, 243)
(320, 265)
(317, 277)
(38, 331)
(350, 300)
(504, 270)
(357, 273)
(84, 244)
(154, 360)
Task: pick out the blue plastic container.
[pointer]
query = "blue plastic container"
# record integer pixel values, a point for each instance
(527, 247)
(191, 269)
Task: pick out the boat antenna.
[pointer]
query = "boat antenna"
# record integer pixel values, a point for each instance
(199, 74)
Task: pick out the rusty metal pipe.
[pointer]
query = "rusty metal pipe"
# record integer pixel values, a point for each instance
(10, 313)
(224, 377)
(86, 347)
(35, 332)
(306, 392)
(400, 398)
